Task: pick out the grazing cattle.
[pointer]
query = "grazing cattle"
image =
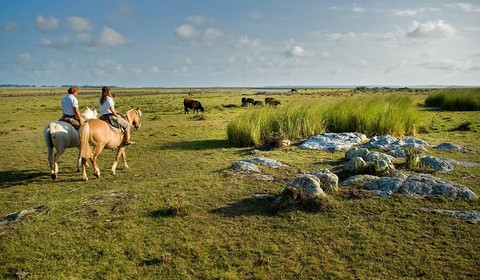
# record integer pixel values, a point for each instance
(258, 103)
(244, 102)
(272, 101)
(250, 101)
(192, 104)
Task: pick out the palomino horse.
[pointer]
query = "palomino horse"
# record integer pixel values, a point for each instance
(101, 135)
(62, 135)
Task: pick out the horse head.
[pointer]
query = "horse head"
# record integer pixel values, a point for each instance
(133, 117)
(90, 113)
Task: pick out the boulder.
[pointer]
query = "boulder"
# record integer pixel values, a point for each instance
(333, 141)
(356, 165)
(447, 146)
(438, 164)
(356, 152)
(246, 166)
(419, 185)
(308, 185)
(328, 180)
(358, 180)
(265, 161)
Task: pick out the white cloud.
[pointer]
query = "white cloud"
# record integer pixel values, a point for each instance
(404, 12)
(395, 66)
(79, 24)
(244, 42)
(430, 29)
(197, 38)
(47, 24)
(62, 44)
(449, 65)
(185, 31)
(255, 15)
(105, 66)
(24, 57)
(465, 7)
(110, 38)
(12, 28)
(155, 69)
(211, 34)
(358, 9)
(295, 51)
(196, 19)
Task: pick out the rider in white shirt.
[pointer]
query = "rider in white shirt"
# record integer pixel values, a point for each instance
(107, 109)
(70, 111)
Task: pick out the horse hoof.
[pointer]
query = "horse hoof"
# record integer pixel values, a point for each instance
(54, 176)
(97, 175)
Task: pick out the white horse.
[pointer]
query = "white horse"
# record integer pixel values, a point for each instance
(63, 135)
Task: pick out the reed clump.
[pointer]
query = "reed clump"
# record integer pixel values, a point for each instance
(394, 115)
(464, 99)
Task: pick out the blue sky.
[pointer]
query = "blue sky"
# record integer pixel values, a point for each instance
(193, 43)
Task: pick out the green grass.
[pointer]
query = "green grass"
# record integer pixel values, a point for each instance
(466, 99)
(394, 115)
(181, 212)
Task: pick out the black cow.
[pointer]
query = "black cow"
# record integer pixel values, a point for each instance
(258, 103)
(244, 102)
(192, 104)
(250, 101)
(272, 101)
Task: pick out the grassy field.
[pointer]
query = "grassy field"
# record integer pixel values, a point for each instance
(180, 212)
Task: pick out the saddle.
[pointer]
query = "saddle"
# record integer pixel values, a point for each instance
(72, 121)
(114, 125)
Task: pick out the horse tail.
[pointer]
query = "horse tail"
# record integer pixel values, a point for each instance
(47, 133)
(84, 134)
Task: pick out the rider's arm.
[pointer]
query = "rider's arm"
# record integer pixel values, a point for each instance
(78, 115)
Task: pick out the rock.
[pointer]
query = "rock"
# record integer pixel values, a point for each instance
(381, 142)
(245, 166)
(308, 185)
(356, 152)
(358, 180)
(447, 146)
(379, 156)
(265, 161)
(381, 166)
(356, 165)
(328, 180)
(333, 141)
(439, 164)
(390, 143)
(419, 185)
(472, 216)
(385, 186)
(397, 153)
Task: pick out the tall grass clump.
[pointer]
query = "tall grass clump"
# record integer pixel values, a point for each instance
(394, 115)
(465, 99)
(260, 126)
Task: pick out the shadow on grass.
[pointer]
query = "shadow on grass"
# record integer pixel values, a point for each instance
(20, 177)
(197, 145)
(251, 206)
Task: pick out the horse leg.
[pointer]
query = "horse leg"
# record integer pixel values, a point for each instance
(96, 153)
(52, 164)
(120, 153)
(60, 151)
(84, 169)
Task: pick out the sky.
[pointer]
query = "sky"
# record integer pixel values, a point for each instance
(242, 43)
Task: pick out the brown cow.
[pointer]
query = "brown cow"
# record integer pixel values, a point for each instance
(192, 104)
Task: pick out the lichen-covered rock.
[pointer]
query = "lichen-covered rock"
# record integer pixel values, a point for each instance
(333, 141)
(419, 185)
(356, 152)
(358, 180)
(308, 185)
(265, 161)
(246, 166)
(381, 142)
(397, 153)
(472, 216)
(447, 146)
(378, 156)
(381, 166)
(356, 165)
(328, 180)
(438, 164)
